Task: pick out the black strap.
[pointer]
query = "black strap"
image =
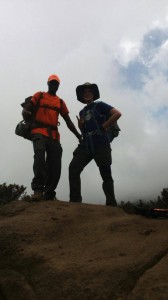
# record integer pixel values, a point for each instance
(37, 107)
(37, 124)
(50, 107)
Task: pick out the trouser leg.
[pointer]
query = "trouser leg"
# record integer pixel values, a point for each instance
(79, 161)
(103, 159)
(108, 185)
(39, 165)
(108, 188)
(54, 156)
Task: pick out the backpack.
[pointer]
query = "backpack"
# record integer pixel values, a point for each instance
(23, 128)
(113, 130)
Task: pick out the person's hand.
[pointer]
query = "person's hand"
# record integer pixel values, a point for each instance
(80, 122)
(105, 127)
(80, 139)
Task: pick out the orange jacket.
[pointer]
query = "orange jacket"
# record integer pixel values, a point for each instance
(48, 113)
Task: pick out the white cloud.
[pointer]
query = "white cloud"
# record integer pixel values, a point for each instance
(128, 50)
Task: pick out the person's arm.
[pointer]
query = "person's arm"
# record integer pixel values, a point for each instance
(114, 116)
(72, 127)
(80, 122)
(28, 111)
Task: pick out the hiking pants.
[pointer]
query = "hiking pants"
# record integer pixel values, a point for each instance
(102, 157)
(47, 165)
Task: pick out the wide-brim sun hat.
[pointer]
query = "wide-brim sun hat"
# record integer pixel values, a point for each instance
(92, 86)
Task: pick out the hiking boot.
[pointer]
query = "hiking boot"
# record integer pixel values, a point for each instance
(75, 200)
(114, 204)
(37, 196)
(51, 196)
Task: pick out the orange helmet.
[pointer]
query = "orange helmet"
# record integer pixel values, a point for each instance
(53, 77)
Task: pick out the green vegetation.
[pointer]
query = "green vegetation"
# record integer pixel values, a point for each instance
(11, 192)
(161, 202)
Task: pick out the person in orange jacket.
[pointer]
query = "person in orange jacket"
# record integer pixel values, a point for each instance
(46, 107)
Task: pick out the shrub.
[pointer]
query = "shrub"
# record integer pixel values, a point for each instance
(11, 192)
(161, 202)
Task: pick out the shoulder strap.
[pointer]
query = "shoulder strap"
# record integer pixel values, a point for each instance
(61, 103)
(39, 100)
(37, 106)
(95, 120)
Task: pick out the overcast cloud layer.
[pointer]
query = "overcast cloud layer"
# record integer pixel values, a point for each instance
(120, 45)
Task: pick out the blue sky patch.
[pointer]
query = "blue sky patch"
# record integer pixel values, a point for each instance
(140, 67)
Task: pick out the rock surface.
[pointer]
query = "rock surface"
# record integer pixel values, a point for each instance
(68, 251)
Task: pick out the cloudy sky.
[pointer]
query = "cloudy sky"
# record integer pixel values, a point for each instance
(120, 45)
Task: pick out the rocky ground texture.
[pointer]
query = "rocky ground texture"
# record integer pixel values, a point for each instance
(59, 250)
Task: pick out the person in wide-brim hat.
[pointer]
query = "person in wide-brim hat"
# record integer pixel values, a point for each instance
(81, 88)
(94, 122)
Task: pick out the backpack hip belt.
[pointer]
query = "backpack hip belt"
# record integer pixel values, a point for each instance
(49, 128)
(37, 124)
(94, 132)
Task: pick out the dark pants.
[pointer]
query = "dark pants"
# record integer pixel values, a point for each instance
(47, 165)
(102, 157)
